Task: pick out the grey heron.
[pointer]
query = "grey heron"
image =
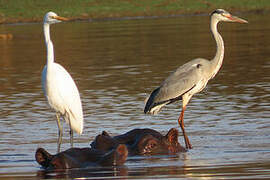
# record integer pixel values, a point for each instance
(59, 88)
(191, 77)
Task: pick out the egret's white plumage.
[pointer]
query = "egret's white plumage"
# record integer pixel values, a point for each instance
(58, 86)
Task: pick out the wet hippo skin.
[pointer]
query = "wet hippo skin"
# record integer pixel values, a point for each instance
(82, 157)
(141, 142)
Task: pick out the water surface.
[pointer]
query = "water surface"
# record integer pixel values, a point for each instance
(115, 65)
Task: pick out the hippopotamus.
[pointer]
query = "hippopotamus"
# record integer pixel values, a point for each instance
(82, 157)
(141, 142)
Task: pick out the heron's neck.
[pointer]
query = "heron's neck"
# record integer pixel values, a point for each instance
(49, 44)
(216, 62)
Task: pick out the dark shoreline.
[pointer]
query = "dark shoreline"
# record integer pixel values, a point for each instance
(117, 18)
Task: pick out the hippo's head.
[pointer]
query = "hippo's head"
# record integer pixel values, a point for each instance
(141, 142)
(82, 157)
(148, 144)
(104, 142)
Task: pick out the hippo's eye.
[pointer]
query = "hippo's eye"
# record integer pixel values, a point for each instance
(152, 145)
(198, 65)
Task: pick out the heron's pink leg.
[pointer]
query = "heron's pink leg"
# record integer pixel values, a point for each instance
(181, 123)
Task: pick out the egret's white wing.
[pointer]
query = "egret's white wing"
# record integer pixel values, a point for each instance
(63, 95)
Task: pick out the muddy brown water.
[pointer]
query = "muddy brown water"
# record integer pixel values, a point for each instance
(115, 65)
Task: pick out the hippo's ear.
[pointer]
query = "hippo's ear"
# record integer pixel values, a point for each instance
(100, 139)
(104, 133)
(172, 135)
(115, 157)
(43, 157)
(103, 142)
(122, 153)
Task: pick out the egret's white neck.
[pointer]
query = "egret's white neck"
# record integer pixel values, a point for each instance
(216, 62)
(49, 44)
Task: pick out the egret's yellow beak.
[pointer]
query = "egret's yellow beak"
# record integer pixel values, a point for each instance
(60, 18)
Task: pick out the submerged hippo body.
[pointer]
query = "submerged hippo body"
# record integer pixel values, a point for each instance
(81, 157)
(141, 142)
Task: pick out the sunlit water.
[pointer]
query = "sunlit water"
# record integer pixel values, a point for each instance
(115, 65)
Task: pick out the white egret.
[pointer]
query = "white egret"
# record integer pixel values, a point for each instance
(59, 88)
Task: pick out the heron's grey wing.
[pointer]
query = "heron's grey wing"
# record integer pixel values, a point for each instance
(184, 79)
(179, 82)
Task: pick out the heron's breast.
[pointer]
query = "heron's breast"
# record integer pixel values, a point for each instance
(199, 87)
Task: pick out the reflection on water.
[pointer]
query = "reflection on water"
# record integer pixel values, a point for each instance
(115, 65)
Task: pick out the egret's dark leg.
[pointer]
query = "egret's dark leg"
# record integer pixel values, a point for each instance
(60, 132)
(181, 123)
(71, 138)
(71, 135)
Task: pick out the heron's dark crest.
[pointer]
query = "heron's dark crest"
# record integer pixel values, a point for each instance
(218, 11)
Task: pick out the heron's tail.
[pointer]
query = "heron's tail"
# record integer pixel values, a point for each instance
(149, 101)
(151, 106)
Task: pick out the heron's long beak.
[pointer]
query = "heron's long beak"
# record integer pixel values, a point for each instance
(236, 19)
(60, 18)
